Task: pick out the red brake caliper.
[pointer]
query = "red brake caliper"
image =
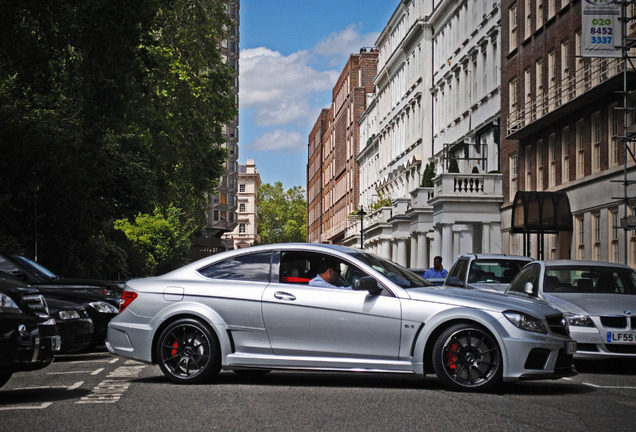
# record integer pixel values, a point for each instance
(451, 356)
(175, 347)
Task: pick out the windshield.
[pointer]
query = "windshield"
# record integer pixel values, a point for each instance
(494, 270)
(394, 272)
(35, 268)
(589, 280)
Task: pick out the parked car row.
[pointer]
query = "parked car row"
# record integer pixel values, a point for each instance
(42, 314)
(597, 299)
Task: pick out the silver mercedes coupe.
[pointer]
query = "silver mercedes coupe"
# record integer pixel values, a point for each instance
(257, 309)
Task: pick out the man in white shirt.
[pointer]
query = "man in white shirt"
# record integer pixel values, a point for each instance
(328, 275)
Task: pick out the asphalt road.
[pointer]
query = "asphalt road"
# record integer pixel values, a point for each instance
(106, 393)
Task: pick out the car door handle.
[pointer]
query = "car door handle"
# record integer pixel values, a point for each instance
(284, 296)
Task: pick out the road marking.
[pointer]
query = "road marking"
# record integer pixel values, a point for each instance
(97, 371)
(76, 385)
(27, 407)
(111, 389)
(70, 372)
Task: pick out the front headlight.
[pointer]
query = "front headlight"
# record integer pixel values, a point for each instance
(579, 320)
(7, 305)
(68, 314)
(526, 322)
(103, 307)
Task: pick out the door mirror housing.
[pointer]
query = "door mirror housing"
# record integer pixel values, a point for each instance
(367, 283)
(454, 281)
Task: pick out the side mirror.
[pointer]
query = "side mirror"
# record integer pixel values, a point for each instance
(528, 288)
(367, 283)
(454, 281)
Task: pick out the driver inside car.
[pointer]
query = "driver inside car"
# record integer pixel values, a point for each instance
(328, 275)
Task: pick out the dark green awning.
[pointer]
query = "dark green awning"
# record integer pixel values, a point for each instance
(541, 212)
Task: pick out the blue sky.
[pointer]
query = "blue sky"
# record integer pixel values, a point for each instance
(292, 52)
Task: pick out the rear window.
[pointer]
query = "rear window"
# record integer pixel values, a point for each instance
(253, 267)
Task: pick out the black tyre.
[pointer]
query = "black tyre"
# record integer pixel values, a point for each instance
(4, 377)
(188, 352)
(467, 358)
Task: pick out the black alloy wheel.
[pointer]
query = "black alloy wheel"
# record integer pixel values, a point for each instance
(467, 358)
(188, 352)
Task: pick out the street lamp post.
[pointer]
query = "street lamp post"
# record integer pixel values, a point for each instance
(362, 214)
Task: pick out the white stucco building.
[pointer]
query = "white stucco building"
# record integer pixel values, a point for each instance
(436, 99)
(246, 231)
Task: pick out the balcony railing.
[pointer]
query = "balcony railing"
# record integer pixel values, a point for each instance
(584, 79)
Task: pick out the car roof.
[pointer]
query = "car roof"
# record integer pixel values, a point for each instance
(496, 256)
(570, 263)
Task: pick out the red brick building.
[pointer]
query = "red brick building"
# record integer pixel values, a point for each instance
(339, 146)
(562, 121)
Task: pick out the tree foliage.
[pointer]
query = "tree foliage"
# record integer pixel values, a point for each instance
(108, 109)
(282, 215)
(161, 240)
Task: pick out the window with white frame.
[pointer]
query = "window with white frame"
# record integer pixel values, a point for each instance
(579, 70)
(242, 188)
(514, 166)
(565, 70)
(242, 228)
(242, 207)
(613, 230)
(514, 98)
(579, 224)
(580, 148)
(540, 165)
(538, 68)
(615, 143)
(527, 93)
(514, 26)
(553, 160)
(596, 140)
(539, 14)
(527, 31)
(553, 242)
(596, 236)
(565, 154)
(528, 168)
(551, 8)
(552, 94)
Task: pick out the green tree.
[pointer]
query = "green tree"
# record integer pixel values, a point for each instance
(428, 175)
(107, 108)
(282, 215)
(160, 241)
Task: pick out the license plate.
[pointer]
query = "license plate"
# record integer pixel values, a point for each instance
(621, 338)
(570, 348)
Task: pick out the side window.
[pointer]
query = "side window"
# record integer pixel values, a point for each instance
(301, 267)
(252, 267)
(530, 273)
(459, 269)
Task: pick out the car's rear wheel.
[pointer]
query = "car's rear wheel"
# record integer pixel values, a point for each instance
(467, 358)
(4, 377)
(188, 352)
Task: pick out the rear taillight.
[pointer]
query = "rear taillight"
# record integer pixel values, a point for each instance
(127, 298)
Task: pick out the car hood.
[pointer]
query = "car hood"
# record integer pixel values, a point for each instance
(495, 287)
(89, 283)
(593, 304)
(492, 301)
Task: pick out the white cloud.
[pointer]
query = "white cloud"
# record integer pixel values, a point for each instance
(338, 46)
(290, 142)
(280, 87)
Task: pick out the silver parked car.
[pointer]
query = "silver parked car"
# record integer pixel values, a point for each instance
(255, 309)
(598, 300)
(485, 272)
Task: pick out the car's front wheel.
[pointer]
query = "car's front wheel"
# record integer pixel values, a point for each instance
(188, 352)
(467, 358)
